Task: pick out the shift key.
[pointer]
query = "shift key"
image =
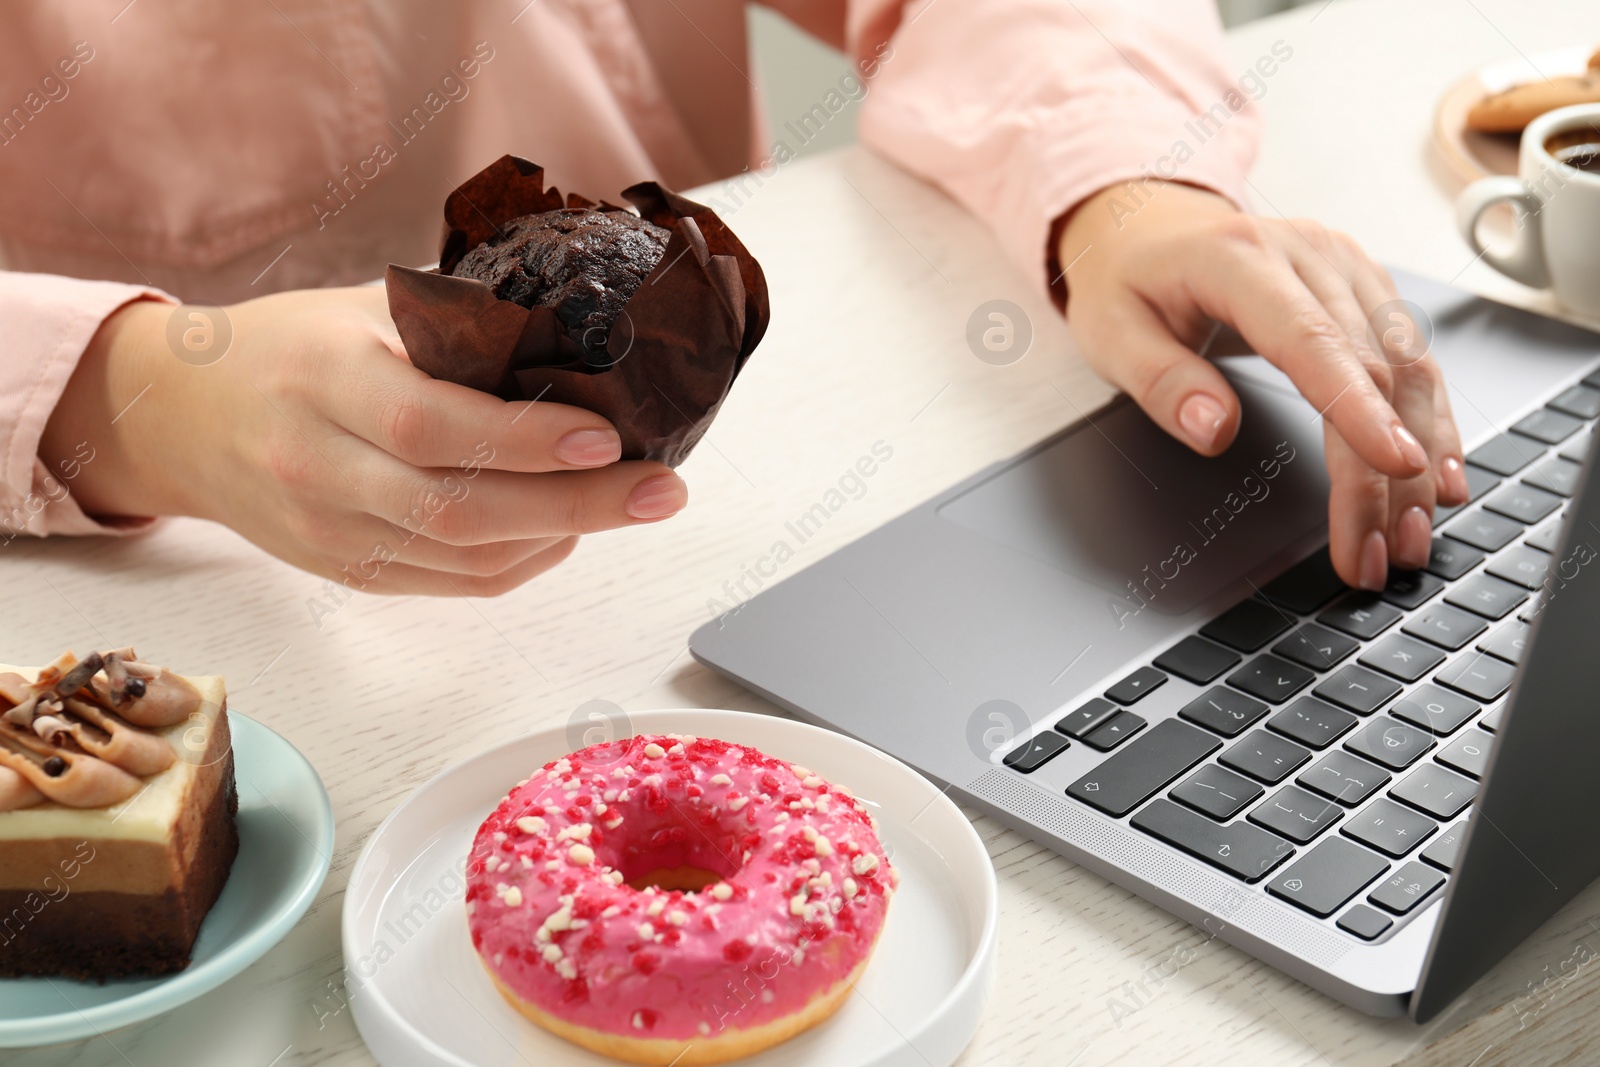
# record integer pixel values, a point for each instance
(1241, 849)
(1143, 767)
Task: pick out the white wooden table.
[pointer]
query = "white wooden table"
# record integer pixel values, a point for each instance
(874, 276)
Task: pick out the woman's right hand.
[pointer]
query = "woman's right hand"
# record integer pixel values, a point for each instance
(314, 437)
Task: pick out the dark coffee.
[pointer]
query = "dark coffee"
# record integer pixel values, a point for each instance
(1578, 148)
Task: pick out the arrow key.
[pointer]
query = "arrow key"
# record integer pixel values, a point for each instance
(1036, 752)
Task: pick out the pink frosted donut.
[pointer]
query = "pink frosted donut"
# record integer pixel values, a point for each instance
(676, 899)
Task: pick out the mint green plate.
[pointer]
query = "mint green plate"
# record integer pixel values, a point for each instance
(285, 845)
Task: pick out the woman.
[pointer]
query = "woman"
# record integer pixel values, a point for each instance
(259, 156)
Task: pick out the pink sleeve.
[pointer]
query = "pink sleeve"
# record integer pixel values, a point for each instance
(1020, 109)
(49, 321)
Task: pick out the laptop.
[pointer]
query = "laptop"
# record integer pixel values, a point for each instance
(1142, 659)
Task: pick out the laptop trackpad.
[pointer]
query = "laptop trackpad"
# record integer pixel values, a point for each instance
(1120, 504)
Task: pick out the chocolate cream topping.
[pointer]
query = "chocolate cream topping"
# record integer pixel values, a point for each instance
(82, 733)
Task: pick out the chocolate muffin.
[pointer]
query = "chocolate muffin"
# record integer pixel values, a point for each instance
(582, 263)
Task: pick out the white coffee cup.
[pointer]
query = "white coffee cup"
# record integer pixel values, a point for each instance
(1557, 208)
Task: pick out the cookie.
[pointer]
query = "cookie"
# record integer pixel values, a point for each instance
(1510, 111)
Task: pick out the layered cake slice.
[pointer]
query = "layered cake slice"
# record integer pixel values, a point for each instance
(117, 805)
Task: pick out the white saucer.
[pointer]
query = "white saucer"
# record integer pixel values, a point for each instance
(423, 1000)
(285, 842)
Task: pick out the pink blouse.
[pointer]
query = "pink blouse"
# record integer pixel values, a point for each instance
(215, 152)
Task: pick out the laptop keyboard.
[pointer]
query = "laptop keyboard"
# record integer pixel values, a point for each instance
(1336, 748)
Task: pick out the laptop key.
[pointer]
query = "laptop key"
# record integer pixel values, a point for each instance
(1479, 482)
(1324, 879)
(1436, 710)
(1391, 743)
(1577, 449)
(1389, 828)
(1484, 530)
(1144, 768)
(1404, 657)
(1344, 777)
(1134, 687)
(1293, 813)
(1306, 586)
(1312, 722)
(1468, 753)
(1223, 710)
(1411, 589)
(1522, 566)
(1556, 475)
(1361, 615)
(1507, 642)
(1506, 454)
(1478, 676)
(1445, 626)
(1115, 730)
(1243, 850)
(1218, 793)
(1581, 400)
(1487, 596)
(1263, 756)
(1451, 559)
(1530, 611)
(1435, 791)
(1197, 660)
(1247, 626)
(1088, 718)
(1036, 752)
(1406, 888)
(1445, 850)
(1546, 539)
(1316, 647)
(1270, 678)
(1366, 923)
(1358, 690)
(1548, 425)
(1525, 503)
(1491, 721)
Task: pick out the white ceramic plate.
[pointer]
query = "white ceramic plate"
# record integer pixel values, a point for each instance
(285, 845)
(422, 999)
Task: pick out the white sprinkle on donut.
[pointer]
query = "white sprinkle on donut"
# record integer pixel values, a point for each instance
(580, 855)
(513, 897)
(811, 781)
(799, 771)
(865, 863)
(722, 891)
(677, 917)
(552, 953)
(647, 930)
(721, 779)
(849, 887)
(654, 751)
(735, 803)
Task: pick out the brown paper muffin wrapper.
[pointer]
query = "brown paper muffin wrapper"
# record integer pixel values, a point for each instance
(669, 360)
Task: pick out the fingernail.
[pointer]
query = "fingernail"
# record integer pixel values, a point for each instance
(656, 498)
(1201, 418)
(1374, 561)
(589, 448)
(1415, 535)
(1411, 449)
(1455, 481)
